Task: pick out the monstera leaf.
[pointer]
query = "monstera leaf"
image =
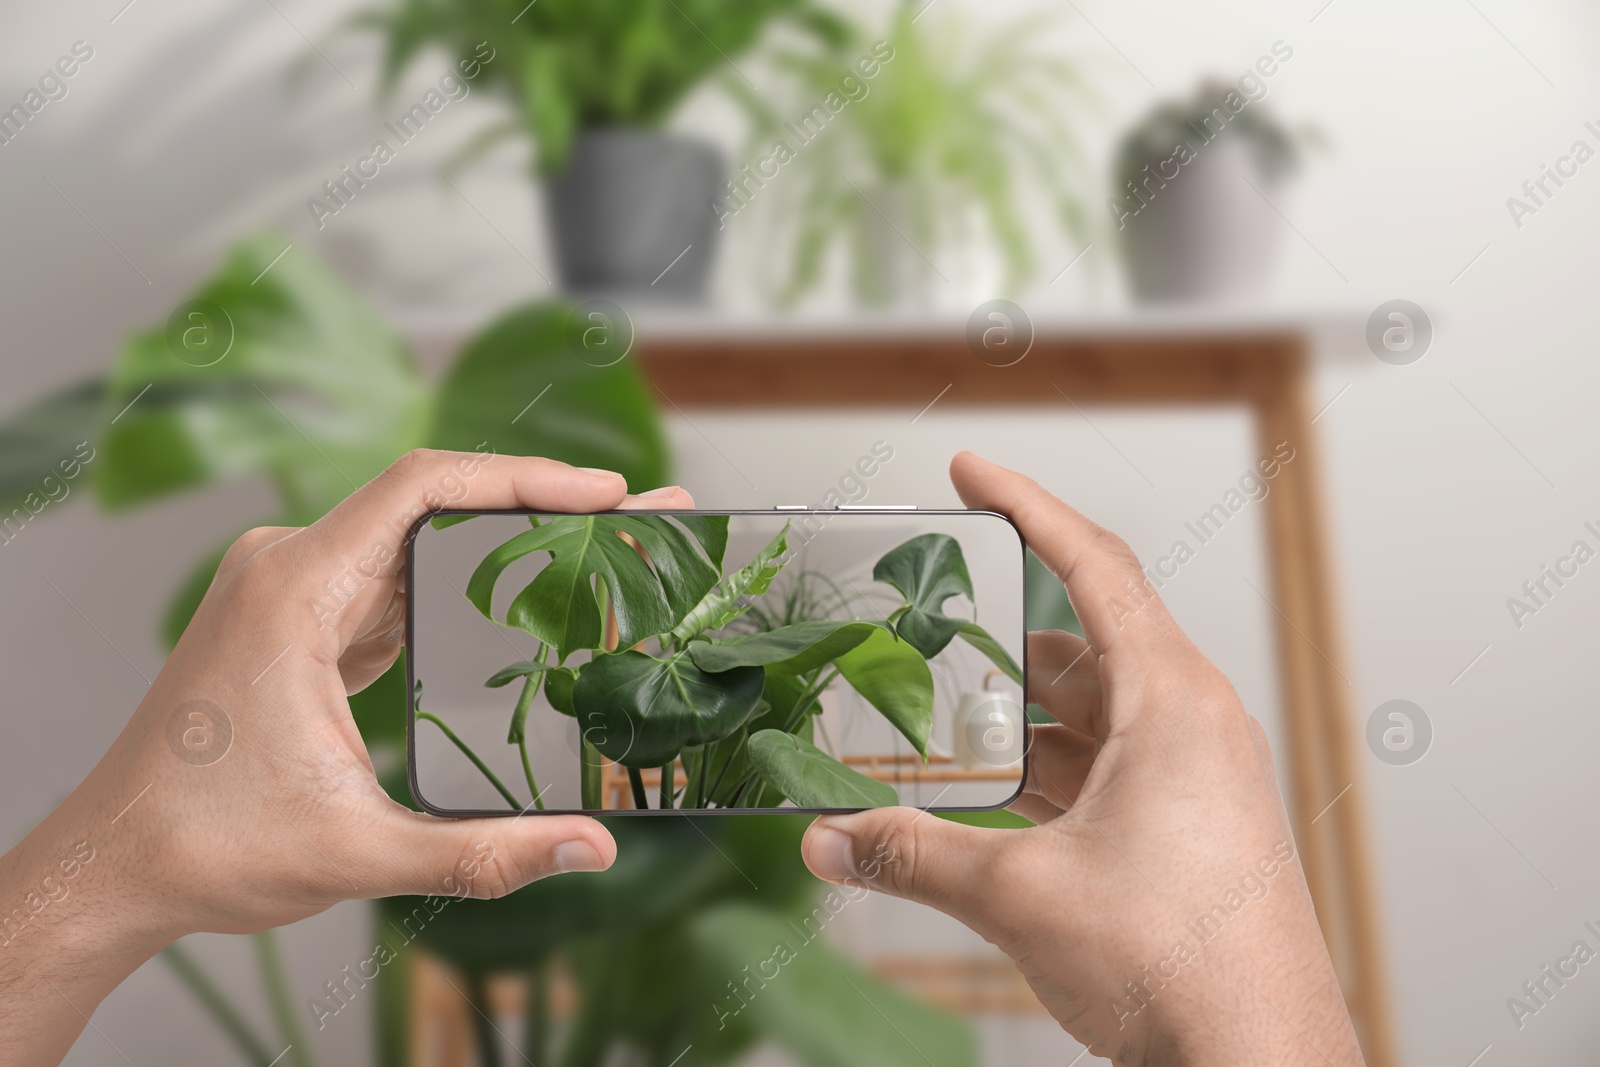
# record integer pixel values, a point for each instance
(564, 606)
(648, 710)
(927, 570)
(822, 1008)
(274, 367)
(798, 648)
(519, 389)
(811, 778)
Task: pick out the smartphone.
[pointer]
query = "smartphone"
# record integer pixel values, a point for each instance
(650, 662)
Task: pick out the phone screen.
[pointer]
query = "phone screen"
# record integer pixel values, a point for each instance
(824, 660)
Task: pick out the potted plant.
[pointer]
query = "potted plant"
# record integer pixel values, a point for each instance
(593, 84)
(927, 171)
(1193, 186)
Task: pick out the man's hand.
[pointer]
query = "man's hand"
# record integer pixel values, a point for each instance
(240, 796)
(1158, 908)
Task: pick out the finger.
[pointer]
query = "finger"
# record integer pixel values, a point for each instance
(1034, 808)
(420, 854)
(1102, 575)
(908, 853)
(1059, 761)
(1064, 680)
(667, 498)
(373, 522)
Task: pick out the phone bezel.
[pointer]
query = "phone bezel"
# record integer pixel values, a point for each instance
(477, 813)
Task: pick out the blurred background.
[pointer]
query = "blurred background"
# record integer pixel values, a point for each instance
(256, 250)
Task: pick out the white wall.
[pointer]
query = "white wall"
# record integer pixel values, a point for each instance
(1452, 481)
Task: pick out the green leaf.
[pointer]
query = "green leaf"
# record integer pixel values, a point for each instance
(895, 679)
(794, 649)
(558, 682)
(927, 570)
(811, 778)
(563, 605)
(984, 642)
(520, 669)
(712, 533)
(722, 605)
(648, 710)
(283, 372)
(43, 442)
(824, 1009)
(520, 389)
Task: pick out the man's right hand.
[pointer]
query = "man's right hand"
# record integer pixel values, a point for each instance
(1158, 908)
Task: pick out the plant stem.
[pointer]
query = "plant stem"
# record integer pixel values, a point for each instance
(637, 782)
(668, 772)
(215, 1001)
(473, 756)
(488, 1038)
(519, 727)
(705, 772)
(738, 748)
(273, 978)
(589, 776)
(810, 697)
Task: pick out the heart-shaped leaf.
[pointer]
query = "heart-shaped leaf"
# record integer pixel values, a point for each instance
(793, 649)
(984, 642)
(723, 604)
(895, 679)
(811, 778)
(648, 710)
(563, 605)
(927, 570)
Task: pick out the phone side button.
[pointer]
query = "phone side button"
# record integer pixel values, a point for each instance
(877, 507)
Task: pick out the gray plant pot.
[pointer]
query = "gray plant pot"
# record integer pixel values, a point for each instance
(1206, 235)
(629, 215)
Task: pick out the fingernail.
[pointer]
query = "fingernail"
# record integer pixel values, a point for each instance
(830, 855)
(577, 856)
(665, 490)
(600, 471)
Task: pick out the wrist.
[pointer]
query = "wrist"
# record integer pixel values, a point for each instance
(1254, 1007)
(73, 893)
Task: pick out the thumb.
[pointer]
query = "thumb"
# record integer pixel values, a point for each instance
(483, 858)
(906, 853)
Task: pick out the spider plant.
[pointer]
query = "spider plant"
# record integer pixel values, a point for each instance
(954, 139)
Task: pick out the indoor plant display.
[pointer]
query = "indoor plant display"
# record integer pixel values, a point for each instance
(593, 82)
(929, 169)
(661, 681)
(1190, 202)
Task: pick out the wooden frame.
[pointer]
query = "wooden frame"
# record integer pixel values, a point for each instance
(1264, 370)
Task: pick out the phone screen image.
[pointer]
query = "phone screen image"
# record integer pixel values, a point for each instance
(637, 661)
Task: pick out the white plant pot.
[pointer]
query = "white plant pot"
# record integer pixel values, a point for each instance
(1206, 234)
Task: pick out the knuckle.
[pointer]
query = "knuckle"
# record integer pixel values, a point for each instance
(1111, 548)
(494, 875)
(415, 462)
(247, 545)
(894, 862)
